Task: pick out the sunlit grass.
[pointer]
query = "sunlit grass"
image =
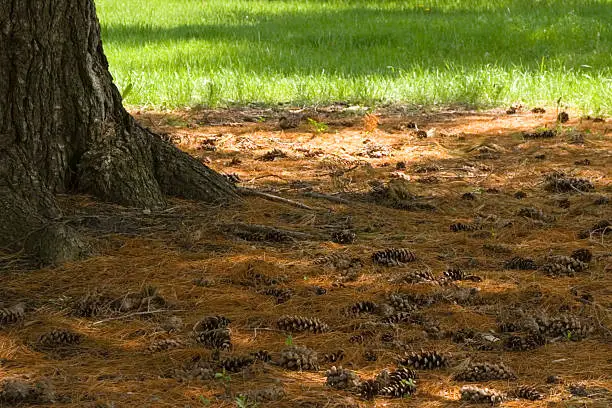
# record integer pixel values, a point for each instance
(433, 53)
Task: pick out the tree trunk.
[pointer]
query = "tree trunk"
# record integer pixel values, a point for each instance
(63, 129)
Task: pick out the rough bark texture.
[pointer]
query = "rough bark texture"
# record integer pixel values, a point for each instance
(63, 129)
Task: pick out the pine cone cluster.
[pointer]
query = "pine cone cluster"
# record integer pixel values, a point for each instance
(164, 345)
(485, 372)
(12, 315)
(301, 324)
(235, 364)
(402, 303)
(211, 323)
(267, 394)
(527, 342)
(215, 339)
(520, 263)
(475, 394)
(342, 379)
(299, 358)
(393, 256)
(558, 182)
(424, 360)
(583, 255)
(343, 237)
(15, 392)
(59, 338)
(459, 226)
(565, 326)
(366, 306)
(535, 214)
(540, 134)
(528, 392)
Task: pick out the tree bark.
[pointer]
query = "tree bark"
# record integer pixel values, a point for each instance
(63, 129)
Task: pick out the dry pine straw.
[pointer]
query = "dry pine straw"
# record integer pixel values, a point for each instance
(112, 366)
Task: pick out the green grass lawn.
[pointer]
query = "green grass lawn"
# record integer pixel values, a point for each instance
(477, 53)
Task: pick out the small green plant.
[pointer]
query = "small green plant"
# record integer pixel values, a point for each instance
(243, 402)
(205, 401)
(289, 340)
(568, 335)
(224, 376)
(126, 91)
(318, 127)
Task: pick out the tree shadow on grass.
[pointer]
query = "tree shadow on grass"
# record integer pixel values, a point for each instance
(363, 41)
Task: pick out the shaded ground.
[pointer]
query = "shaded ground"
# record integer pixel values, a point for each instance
(203, 261)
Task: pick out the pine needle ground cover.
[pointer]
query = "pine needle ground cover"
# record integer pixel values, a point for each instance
(255, 304)
(484, 53)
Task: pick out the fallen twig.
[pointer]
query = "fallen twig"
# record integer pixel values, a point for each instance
(135, 314)
(272, 197)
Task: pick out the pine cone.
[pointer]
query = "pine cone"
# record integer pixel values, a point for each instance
(262, 355)
(211, 323)
(535, 214)
(573, 263)
(343, 237)
(524, 343)
(397, 383)
(454, 274)
(363, 307)
(369, 389)
(164, 345)
(393, 256)
(564, 326)
(267, 394)
(398, 317)
(299, 358)
(555, 269)
(402, 303)
(425, 360)
(602, 227)
(485, 372)
(59, 338)
(16, 392)
(234, 364)
(282, 295)
(558, 182)
(508, 327)
(92, 304)
(199, 370)
(333, 357)
(340, 261)
(529, 393)
(370, 355)
(481, 395)
(524, 264)
(12, 315)
(216, 339)
(301, 324)
(342, 379)
(459, 226)
(417, 277)
(583, 255)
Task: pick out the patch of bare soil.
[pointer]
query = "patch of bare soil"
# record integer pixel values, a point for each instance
(426, 260)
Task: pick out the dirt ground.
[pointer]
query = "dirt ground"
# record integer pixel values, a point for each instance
(357, 183)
